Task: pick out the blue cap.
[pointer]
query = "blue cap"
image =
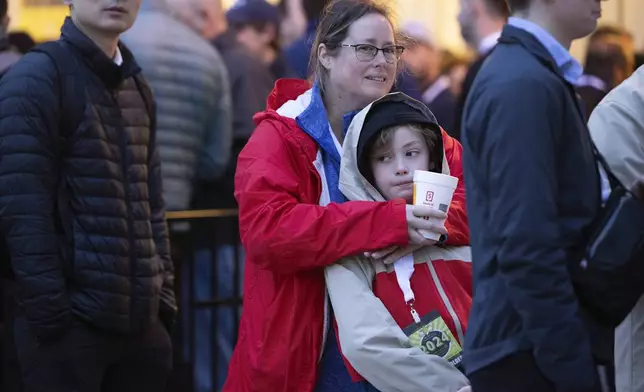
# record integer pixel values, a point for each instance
(250, 11)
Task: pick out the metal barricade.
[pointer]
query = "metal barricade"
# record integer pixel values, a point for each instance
(194, 235)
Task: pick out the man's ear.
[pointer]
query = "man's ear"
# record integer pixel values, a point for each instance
(324, 57)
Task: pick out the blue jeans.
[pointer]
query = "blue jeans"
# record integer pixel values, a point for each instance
(334, 376)
(205, 330)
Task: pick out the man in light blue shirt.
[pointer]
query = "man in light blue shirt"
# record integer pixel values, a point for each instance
(533, 189)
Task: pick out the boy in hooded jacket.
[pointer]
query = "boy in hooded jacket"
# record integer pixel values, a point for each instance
(401, 326)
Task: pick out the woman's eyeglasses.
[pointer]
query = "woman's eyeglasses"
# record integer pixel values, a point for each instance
(367, 52)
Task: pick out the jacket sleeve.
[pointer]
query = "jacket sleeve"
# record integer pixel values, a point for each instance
(458, 231)
(216, 153)
(282, 232)
(28, 178)
(372, 341)
(168, 304)
(518, 139)
(617, 127)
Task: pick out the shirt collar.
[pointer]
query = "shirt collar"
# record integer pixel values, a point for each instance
(489, 42)
(569, 67)
(118, 57)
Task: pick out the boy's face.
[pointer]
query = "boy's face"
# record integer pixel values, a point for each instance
(393, 163)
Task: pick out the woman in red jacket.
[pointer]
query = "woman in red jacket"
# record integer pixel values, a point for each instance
(291, 163)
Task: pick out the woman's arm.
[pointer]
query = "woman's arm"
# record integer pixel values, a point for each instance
(372, 341)
(458, 232)
(281, 232)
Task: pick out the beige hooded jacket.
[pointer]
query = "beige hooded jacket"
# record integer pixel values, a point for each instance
(617, 128)
(370, 338)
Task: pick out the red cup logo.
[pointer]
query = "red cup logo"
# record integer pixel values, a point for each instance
(429, 196)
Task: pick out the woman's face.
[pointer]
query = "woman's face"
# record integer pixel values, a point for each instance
(360, 81)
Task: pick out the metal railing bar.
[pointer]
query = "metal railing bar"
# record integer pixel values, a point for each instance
(199, 214)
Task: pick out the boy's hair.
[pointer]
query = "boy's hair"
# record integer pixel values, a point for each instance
(386, 134)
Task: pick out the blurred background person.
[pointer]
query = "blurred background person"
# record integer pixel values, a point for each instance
(455, 66)
(256, 24)
(481, 22)
(610, 60)
(8, 56)
(605, 68)
(21, 41)
(9, 371)
(293, 23)
(190, 84)
(250, 83)
(299, 52)
(423, 59)
(192, 92)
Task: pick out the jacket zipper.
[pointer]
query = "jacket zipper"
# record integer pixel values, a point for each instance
(128, 206)
(412, 310)
(443, 294)
(325, 325)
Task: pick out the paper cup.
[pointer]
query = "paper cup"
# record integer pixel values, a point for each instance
(434, 190)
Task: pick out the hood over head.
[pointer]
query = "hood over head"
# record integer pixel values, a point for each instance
(391, 110)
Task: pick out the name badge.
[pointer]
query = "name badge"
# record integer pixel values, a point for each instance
(433, 336)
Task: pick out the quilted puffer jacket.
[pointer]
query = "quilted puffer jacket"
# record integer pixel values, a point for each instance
(190, 84)
(101, 253)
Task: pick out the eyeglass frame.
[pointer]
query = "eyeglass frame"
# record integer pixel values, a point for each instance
(357, 46)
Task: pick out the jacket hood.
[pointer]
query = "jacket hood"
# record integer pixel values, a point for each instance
(287, 94)
(353, 183)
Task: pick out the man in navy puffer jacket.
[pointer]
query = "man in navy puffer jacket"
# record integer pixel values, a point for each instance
(82, 211)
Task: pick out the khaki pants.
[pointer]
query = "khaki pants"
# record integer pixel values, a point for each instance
(629, 351)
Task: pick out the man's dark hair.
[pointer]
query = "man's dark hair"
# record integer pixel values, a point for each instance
(518, 5)
(314, 8)
(497, 8)
(3, 8)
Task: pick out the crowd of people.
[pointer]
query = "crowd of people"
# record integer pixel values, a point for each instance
(311, 118)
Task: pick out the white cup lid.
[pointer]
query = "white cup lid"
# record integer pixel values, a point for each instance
(435, 178)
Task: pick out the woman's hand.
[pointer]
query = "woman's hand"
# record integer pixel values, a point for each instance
(418, 218)
(394, 253)
(424, 218)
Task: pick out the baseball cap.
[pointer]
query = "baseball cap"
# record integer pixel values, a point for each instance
(249, 11)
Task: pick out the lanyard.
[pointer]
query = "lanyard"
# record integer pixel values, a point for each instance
(404, 269)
